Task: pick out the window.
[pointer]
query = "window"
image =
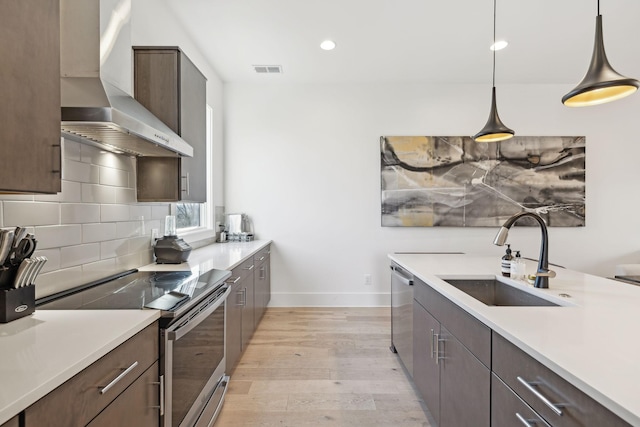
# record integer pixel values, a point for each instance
(191, 216)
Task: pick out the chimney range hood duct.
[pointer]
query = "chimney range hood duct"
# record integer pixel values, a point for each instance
(95, 51)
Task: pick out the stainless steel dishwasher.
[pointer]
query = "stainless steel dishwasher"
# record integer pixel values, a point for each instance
(402, 315)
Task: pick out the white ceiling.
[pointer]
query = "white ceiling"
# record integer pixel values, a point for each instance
(410, 40)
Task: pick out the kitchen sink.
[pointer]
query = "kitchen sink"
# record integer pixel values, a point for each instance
(496, 293)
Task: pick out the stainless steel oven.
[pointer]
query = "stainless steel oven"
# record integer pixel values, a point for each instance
(193, 357)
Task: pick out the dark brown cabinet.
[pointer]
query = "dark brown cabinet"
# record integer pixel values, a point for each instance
(13, 422)
(169, 85)
(558, 402)
(92, 391)
(250, 293)
(262, 283)
(30, 96)
(453, 381)
(507, 409)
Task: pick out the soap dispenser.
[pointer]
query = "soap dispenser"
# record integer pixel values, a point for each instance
(505, 266)
(517, 267)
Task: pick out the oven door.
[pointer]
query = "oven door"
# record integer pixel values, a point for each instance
(194, 364)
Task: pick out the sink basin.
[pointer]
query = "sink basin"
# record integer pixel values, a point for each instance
(497, 293)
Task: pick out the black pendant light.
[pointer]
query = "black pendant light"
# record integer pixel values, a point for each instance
(601, 83)
(494, 129)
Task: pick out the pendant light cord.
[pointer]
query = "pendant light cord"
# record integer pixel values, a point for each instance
(494, 42)
(598, 7)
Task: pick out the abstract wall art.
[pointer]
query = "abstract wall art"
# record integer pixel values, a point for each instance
(453, 181)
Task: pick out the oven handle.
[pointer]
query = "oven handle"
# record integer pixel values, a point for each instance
(181, 329)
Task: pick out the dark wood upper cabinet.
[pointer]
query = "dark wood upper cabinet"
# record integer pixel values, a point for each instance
(169, 85)
(30, 96)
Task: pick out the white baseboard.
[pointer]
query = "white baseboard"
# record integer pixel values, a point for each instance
(326, 299)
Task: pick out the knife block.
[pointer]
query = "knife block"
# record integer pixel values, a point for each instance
(17, 303)
(8, 276)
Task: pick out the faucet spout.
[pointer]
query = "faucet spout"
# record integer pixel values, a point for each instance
(543, 274)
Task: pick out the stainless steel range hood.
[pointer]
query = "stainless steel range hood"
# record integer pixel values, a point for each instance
(96, 70)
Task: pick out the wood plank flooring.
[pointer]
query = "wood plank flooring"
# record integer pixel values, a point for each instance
(321, 367)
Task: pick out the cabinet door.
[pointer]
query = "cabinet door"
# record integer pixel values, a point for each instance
(465, 385)
(261, 289)
(233, 344)
(426, 368)
(248, 311)
(30, 96)
(137, 406)
(193, 128)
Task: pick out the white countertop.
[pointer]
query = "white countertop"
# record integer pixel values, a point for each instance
(593, 344)
(40, 352)
(222, 256)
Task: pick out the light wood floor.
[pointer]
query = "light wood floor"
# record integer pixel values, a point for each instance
(321, 367)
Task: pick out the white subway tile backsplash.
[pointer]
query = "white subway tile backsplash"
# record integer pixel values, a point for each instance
(78, 213)
(58, 236)
(125, 195)
(139, 244)
(114, 248)
(53, 259)
(59, 280)
(128, 229)
(127, 262)
(114, 213)
(160, 211)
(114, 177)
(98, 232)
(92, 193)
(76, 171)
(71, 150)
(98, 270)
(140, 212)
(71, 256)
(30, 213)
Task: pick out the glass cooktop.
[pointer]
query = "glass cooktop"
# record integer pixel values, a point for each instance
(139, 289)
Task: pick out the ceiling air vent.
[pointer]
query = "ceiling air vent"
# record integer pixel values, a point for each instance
(268, 69)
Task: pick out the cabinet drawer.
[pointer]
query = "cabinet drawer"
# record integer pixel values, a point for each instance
(508, 410)
(79, 400)
(513, 366)
(245, 269)
(262, 255)
(137, 406)
(475, 335)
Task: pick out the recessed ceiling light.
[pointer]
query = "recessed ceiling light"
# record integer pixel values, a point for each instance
(499, 45)
(328, 45)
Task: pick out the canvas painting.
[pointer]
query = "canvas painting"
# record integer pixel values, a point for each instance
(453, 181)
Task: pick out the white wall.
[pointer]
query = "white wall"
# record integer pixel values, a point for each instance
(303, 161)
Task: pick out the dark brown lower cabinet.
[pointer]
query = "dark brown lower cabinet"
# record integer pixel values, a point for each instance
(465, 385)
(454, 384)
(507, 409)
(13, 422)
(136, 406)
(262, 285)
(426, 372)
(233, 344)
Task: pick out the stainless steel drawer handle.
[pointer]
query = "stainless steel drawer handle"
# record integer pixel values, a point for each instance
(248, 268)
(161, 384)
(524, 421)
(555, 407)
(118, 378)
(438, 340)
(433, 347)
(232, 280)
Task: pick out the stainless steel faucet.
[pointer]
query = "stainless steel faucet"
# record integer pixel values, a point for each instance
(543, 274)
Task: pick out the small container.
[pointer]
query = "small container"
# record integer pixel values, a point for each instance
(518, 267)
(505, 265)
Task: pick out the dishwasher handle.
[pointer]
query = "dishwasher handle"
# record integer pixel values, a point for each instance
(402, 276)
